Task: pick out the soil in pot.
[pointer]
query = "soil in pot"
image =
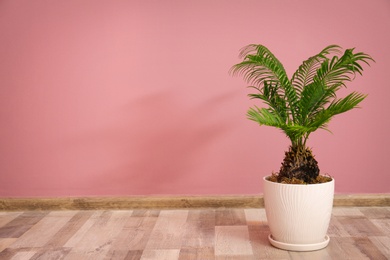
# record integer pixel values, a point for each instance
(320, 179)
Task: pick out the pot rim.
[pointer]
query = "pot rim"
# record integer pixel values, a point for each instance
(310, 184)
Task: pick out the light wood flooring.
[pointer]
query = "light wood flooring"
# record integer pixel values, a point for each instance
(356, 233)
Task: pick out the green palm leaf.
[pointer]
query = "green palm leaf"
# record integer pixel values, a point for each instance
(339, 70)
(260, 67)
(338, 106)
(297, 132)
(270, 96)
(306, 72)
(264, 116)
(308, 101)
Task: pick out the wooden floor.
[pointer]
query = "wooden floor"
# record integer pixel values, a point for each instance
(356, 233)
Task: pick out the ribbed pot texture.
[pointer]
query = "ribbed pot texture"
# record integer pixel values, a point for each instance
(298, 214)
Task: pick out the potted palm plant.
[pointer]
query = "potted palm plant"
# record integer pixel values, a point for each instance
(298, 199)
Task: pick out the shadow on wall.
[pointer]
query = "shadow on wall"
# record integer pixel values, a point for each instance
(172, 141)
(162, 146)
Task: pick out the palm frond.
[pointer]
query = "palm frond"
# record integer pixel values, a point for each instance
(308, 101)
(338, 106)
(314, 98)
(345, 104)
(260, 67)
(307, 70)
(297, 132)
(264, 116)
(311, 99)
(270, 96)
(339, 70)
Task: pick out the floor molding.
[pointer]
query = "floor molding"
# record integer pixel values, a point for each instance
(172, 202)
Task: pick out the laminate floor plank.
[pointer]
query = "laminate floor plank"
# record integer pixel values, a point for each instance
(6, 217)
(345, 248)
(199, 229)
(78, 236)
(341, 211)
(382, 224)
(97, 241)
(204, 253)
(336, 229)
(133, 255)
(319, 254)
(376, 213)
(383, 245)
(23, 255)
(184, 234)
(6, 242)
(52, 253)
(235, 257)
(47, 227)
(359, 226)
(135, 233)
(161, 254)
(145, 213)
(255, 216)
(230, 217)
(19, 225)
(168, 230)
(69, 229)
(232, 241)
(366, 246)
(262, 249)
(117, 254)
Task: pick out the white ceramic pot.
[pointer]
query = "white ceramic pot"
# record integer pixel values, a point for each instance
(298, 215)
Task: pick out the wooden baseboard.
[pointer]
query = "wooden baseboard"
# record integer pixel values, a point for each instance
(136, 202)
(172, 202)
(361, 200)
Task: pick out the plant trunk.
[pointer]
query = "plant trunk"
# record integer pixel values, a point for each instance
(298, 165)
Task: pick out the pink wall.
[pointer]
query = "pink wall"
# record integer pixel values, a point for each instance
(134, 97)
